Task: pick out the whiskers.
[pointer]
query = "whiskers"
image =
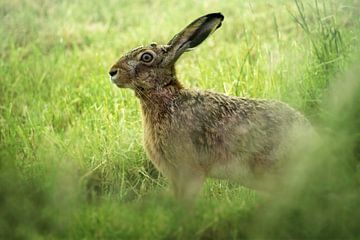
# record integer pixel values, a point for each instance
(140, 92)
(149, 103)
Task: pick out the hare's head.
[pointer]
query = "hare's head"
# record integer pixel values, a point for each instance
(152, 67)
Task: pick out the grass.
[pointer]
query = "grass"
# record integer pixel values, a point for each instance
(72, 163)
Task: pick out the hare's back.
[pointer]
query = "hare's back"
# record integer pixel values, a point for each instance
(214, 110)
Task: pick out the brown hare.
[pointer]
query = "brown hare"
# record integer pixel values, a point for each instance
(190, 135)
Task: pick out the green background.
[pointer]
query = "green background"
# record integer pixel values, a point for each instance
(72, 162)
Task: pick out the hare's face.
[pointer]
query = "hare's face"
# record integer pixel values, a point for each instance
(152, 67)
(141, 68)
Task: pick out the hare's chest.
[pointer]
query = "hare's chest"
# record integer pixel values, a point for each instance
(155, 144)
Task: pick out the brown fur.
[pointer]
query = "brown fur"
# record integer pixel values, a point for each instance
(190, 135)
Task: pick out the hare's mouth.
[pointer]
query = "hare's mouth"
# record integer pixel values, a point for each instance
(119, 84)
(114, 75)
(114, 78)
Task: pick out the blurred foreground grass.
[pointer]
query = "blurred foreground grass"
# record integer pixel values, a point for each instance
(72, 163)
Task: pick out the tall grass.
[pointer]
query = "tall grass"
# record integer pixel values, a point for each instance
(328, 50)
(72, 163)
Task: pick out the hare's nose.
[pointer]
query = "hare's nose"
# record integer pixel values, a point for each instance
(113, 72)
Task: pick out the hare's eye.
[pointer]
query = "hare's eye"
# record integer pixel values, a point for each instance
(146, 57)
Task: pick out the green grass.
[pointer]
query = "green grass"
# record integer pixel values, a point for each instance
(72, 162)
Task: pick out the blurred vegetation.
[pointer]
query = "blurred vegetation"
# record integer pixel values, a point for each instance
(71, 159)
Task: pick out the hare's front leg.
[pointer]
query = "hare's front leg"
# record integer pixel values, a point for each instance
(187, 184)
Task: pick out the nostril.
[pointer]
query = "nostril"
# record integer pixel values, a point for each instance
(113, 72)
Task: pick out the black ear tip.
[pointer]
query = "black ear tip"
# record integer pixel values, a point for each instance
(216, 15)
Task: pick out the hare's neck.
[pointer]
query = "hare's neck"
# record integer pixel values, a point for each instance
(157, 102)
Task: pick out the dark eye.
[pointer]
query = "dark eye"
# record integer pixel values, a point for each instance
(147, 57)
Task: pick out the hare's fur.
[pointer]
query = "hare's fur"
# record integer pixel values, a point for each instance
(190, 135)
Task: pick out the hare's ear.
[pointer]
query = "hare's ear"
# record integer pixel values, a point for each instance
(194, 34)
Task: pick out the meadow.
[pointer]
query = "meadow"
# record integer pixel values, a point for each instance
(72, 164)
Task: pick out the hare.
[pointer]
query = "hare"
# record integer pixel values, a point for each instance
(190, 135)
